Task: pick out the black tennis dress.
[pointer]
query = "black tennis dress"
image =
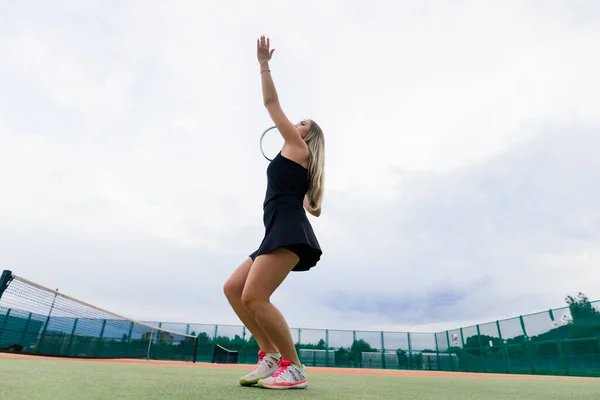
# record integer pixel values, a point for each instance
(284, 217)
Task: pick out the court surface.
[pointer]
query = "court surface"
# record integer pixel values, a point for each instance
(33, 378)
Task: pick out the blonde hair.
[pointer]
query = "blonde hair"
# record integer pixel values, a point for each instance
(316, 166)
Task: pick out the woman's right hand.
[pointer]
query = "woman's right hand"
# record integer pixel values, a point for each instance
(263, 52)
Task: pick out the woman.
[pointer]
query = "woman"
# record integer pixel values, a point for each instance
(294, 184)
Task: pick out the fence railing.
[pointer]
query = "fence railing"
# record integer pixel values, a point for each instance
(563, 341)
(346, 348)
(559, 341)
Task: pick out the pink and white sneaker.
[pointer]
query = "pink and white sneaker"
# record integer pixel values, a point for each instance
(267, 365)
(288, 376)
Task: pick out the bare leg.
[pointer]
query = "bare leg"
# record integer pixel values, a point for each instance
(233, 289)
(266, 274)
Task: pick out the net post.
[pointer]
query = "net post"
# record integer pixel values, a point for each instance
(5, 279)
(196, 341)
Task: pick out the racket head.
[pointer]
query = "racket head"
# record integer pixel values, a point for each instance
(264, 147)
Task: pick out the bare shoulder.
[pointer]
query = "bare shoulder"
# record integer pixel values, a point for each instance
(298, 153)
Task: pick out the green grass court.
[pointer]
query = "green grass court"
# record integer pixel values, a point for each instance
(37, 379)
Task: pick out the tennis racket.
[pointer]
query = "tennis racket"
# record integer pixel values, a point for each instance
(270, 145)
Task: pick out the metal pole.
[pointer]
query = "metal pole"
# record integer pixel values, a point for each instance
(149, 343)
(5, 279)
(6, 318)
(410, 360)
(47, 322)
(196, 348)
(22, 341)
(382, 351)
(327, 347)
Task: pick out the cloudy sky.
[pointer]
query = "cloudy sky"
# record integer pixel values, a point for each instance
(462, 154)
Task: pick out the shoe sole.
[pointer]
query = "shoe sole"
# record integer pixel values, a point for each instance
(301, 385)
(253, 382)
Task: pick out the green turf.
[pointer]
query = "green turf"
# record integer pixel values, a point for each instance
(68, 380)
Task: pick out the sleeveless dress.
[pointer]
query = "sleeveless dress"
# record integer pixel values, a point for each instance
(284, 217)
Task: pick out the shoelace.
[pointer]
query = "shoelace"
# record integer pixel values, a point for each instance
(282, 367)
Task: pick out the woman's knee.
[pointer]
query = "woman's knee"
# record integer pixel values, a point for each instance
(252, 300)
(234, 285)
(232, 288)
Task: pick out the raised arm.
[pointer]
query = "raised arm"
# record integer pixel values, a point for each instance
(271, 100)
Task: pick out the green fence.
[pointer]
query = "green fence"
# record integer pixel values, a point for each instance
(39, 321)
(317, 347)
(564, 341)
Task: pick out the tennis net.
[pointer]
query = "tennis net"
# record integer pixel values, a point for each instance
(41, 321)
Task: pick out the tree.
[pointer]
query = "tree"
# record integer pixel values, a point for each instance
(319, 346)
(360, 346)
(472, 344)
(341, 357)
(585, 325)
(203, 338)
(581, 307)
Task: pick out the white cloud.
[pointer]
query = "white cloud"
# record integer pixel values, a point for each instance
(460, 163)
